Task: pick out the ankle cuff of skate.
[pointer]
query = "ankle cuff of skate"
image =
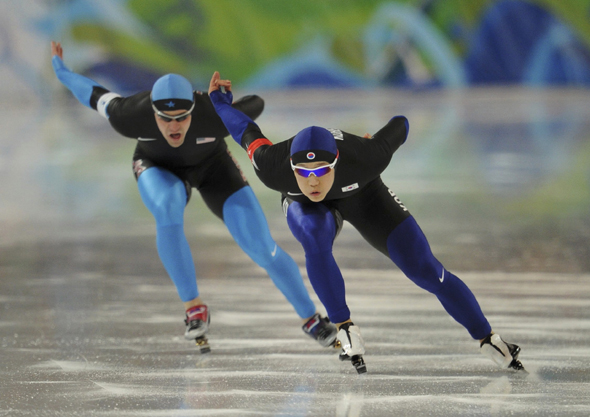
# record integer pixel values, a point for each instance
(486, 339)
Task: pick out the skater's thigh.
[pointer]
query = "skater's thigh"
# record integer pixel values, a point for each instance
(375, 212)
(159, 181)
(319, 223)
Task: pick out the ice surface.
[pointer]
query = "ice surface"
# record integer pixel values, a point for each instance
(91, 325)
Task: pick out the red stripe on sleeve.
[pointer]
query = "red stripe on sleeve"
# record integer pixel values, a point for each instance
(257, 144)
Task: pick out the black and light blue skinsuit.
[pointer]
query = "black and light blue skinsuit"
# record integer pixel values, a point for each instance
(166, 175)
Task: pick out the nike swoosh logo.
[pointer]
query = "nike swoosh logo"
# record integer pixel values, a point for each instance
(442, 277)
(146, 139)
(274, 251)
(290, 193)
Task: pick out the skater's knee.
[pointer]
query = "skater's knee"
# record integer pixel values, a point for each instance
(260, 253)
(426, 275)
(408, 248)
(168, 213)
(314, 239)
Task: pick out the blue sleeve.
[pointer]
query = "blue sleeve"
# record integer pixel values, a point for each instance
(235, 121)
(79, 85)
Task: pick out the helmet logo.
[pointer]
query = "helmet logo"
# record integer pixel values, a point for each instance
(310, 155)
(170, 104)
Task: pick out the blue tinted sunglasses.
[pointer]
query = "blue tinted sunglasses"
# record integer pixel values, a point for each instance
(179, 118)
(317, 172)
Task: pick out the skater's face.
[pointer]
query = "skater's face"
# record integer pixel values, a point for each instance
(173, 130)
(315, 187)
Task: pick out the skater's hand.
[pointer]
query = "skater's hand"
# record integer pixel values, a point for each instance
(216, 83)
(57, 54)
(367, 136)
(57, 50)
(220, 90)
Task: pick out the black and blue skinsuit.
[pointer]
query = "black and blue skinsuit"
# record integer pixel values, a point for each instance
(360, 197)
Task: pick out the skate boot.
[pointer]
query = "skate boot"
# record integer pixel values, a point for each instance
(197, 324)
(320, 329)
(353, 346)
(504, 354)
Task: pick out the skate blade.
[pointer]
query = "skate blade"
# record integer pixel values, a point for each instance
(203, 344)
(361, 369)
(359, 364)
(517, 366)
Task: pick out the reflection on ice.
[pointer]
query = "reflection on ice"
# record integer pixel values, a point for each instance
(96, 363)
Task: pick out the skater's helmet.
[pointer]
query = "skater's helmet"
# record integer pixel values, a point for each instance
(172, 92)
(313, 144)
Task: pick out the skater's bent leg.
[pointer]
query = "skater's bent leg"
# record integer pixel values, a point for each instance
(410, 251)
(245, 221)
(315, 228)
(164, 194)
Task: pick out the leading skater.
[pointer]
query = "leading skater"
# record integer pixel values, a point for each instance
(328, 176)
(180, 146)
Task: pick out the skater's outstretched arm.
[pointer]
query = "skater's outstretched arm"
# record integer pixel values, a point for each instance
(87, 91)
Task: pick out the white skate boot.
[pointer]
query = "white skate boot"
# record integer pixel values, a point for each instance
(503, 354)
(353, 346)
(197, 324)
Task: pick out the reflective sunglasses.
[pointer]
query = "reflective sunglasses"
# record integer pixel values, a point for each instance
(179, 118)
(317, 172)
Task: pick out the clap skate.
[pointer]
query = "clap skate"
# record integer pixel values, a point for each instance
(503, 354)
(197, 324)
(353, 346)
(320, 329)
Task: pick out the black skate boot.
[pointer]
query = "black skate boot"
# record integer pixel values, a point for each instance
(353, 346)
(502, 353)
(197, 324)
(320, 329)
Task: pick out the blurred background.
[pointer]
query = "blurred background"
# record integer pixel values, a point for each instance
(496, 168)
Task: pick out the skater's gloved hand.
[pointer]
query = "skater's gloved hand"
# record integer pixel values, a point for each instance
(215, 90)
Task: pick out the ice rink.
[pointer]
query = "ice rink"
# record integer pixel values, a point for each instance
(90, 324)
